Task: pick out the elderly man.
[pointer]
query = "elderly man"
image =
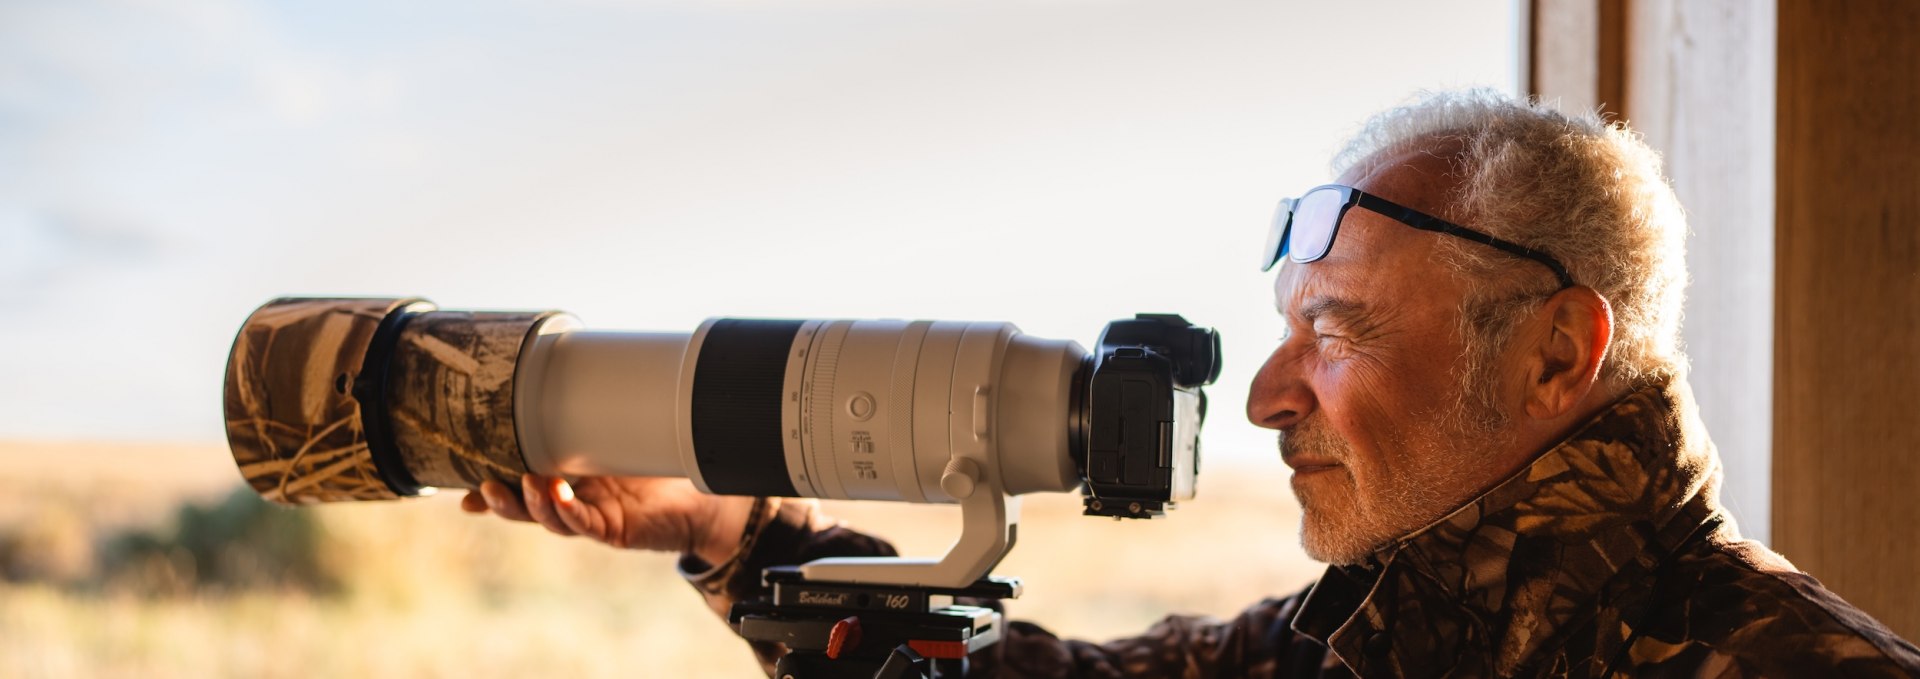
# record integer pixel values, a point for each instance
(1481, 396)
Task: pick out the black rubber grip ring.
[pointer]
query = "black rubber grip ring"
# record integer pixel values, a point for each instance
(370, 389)
(737, 384)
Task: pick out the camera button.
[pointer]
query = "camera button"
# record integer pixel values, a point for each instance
(860, 406)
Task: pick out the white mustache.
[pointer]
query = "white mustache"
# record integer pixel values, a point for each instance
(1312, 441)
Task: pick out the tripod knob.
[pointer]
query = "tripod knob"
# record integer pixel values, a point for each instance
(844, 637)
(960, 477)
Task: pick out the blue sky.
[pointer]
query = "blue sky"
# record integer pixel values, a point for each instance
(167, 166)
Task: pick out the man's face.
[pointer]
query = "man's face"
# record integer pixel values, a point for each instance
(1366, 388)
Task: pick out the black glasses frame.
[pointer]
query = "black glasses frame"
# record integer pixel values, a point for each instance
(1351, 197)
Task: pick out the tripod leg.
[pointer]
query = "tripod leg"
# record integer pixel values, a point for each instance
(904, 663)
(787, 668)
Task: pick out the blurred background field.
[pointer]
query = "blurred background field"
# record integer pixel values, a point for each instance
(152, 561)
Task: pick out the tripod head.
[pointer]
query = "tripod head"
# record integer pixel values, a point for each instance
(839, 630)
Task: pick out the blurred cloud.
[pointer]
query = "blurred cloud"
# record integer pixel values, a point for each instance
(38, 249)
(305, 93)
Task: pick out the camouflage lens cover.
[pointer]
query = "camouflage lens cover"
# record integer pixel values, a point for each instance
(292, 421)
(441, 398)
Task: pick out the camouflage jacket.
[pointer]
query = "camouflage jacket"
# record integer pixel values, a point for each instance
(1606, 556)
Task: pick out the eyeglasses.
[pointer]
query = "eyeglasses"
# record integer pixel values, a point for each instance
(1303, 228)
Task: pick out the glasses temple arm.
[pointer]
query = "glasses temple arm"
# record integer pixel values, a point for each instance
(1426, 222)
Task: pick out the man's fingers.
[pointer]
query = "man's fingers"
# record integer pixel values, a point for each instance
(540, 497)
(502, 501)
(583, 518)
(549, 502)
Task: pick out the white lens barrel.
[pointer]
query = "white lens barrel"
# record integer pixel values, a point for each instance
(1034, 402)
(606, 405)
(870, 410)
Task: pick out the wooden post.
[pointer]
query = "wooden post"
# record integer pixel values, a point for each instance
(1575, 47)
(1847, 349)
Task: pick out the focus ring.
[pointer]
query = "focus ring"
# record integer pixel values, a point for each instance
(818, 412)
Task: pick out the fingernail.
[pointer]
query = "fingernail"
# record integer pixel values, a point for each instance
(564, 491)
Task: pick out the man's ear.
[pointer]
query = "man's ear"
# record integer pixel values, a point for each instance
(1563, 363)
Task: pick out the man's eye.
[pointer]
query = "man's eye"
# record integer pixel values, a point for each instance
(1331, 345)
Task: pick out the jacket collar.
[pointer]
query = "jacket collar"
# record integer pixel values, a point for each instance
(1488, 588)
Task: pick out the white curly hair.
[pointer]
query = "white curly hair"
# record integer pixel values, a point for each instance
(1588, 192)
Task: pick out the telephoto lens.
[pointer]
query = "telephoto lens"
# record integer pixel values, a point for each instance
(333, 400)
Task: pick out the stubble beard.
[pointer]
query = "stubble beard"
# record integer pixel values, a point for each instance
(1434, 464)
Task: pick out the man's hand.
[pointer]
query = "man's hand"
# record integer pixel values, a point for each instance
(661, 514)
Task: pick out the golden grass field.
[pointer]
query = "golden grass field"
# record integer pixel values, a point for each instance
(429, 591)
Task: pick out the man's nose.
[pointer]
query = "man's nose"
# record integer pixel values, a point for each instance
(1280, 396)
